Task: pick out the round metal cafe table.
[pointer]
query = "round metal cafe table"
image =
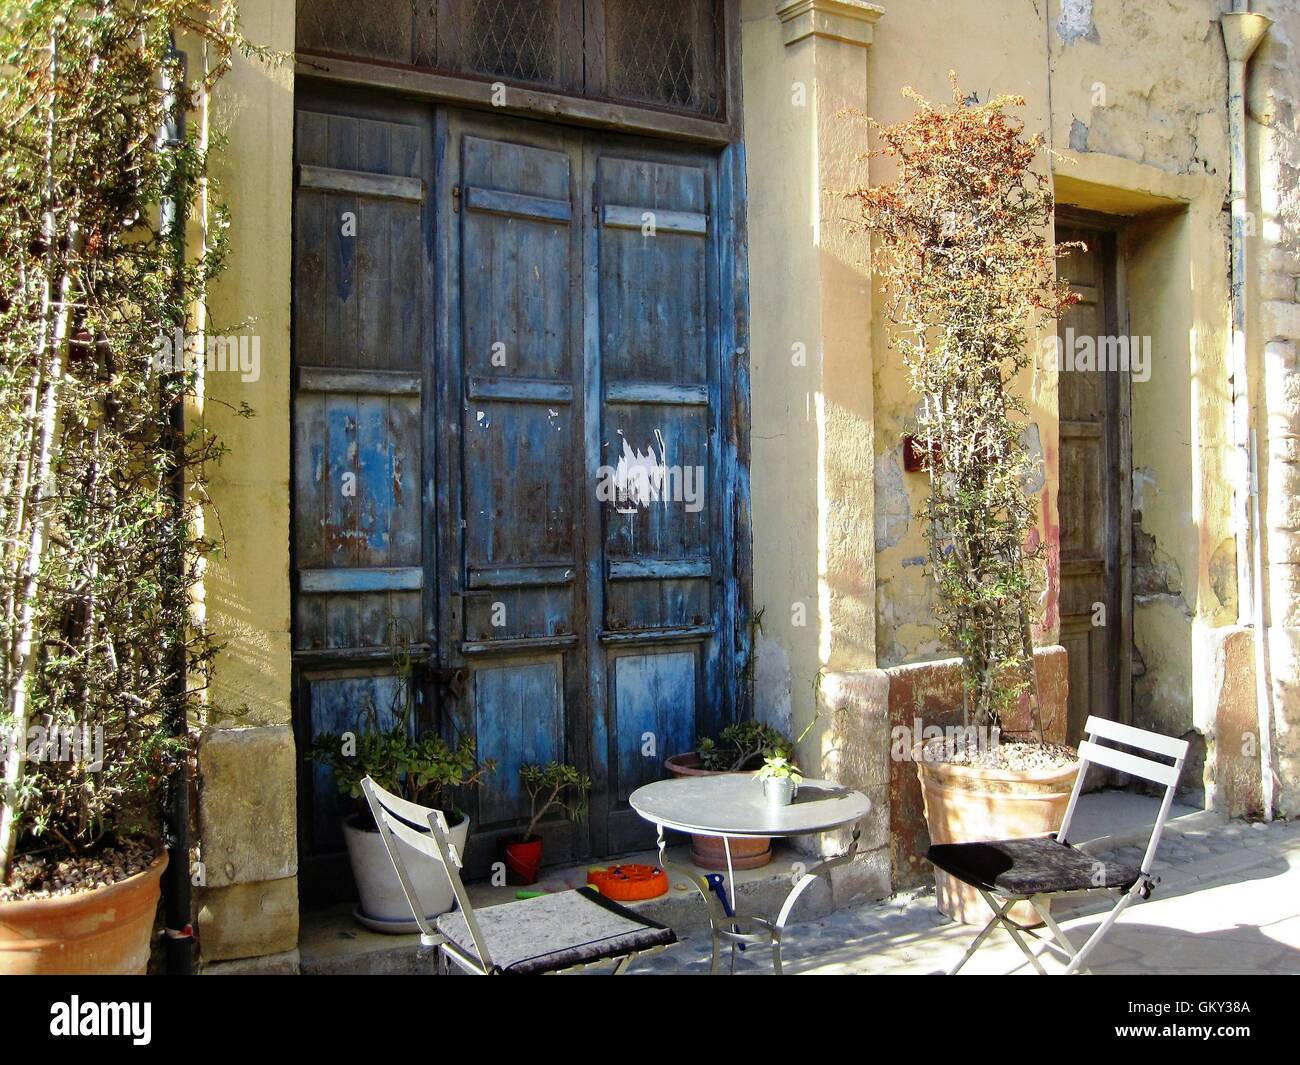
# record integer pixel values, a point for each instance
(732, 806)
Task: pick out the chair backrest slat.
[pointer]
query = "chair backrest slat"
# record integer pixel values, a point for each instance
(420, 841)
(408, 811)
(1146, 768)
(1136, 737)
(395, 817)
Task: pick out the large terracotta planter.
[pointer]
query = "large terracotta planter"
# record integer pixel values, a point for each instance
(709, 852)
(969, 805)
(102, 932)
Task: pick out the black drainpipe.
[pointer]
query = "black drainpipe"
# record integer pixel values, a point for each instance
(178, 930)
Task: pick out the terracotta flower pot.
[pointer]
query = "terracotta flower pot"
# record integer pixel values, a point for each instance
(709, 852)
(106, 931)
(523, 859)
(964, 804)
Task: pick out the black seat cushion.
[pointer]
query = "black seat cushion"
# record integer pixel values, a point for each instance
(556, 931)
(1037, 866)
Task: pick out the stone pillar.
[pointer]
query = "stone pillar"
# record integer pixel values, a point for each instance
(805, 63)
(1273, 97)
(246, 905)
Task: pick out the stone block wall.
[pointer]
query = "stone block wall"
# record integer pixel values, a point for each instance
(1273, 105)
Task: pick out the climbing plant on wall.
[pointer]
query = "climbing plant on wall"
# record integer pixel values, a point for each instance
(100, 477)
(963, 248)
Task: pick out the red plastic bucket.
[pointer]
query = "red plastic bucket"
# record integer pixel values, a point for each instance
(523, 860)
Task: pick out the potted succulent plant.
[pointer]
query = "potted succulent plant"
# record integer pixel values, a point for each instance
(422, 768)
(781, 778)
(968, 265)
(738, 749)
(552, 786)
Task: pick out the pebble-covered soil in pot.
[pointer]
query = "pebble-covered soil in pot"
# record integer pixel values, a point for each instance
(43, 876)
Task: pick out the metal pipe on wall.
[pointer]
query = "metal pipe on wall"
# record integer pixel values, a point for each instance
(177, 903)
(1242, 33)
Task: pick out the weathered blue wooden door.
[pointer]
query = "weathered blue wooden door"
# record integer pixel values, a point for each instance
(581, 285)
(526, 335)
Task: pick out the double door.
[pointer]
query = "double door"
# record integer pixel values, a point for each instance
(510, 451)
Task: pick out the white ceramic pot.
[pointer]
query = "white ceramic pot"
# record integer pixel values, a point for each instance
(383, 905)
(779, 791)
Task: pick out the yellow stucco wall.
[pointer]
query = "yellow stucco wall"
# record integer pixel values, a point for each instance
(246, 904)
(1135, 102)
(811, 402)
(247, 594)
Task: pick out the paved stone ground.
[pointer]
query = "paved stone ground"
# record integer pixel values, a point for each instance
(1228, 902)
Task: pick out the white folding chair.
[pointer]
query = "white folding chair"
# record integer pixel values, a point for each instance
(558, 932)
(1043, 868)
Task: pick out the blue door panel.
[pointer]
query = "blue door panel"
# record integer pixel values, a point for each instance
(519, 718)
(654, 713)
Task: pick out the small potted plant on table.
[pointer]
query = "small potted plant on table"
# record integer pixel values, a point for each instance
(552, 786)
(968, 266)
(780, 777)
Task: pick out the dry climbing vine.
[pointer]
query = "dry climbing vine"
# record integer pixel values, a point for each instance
(968, 269)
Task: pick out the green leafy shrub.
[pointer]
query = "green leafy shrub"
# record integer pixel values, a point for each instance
(740, 746)
(387, 746)
(100, 482)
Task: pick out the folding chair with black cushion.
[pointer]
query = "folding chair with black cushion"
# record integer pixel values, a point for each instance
(566, 930)
(1043, 868)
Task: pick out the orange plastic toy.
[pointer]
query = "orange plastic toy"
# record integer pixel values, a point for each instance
(629, 883)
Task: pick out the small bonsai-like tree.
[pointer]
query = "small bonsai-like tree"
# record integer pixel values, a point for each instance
(964, 252)
(740, 745)
(554, 785)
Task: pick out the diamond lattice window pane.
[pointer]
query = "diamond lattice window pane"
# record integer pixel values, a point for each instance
(663, 53)
(519, 40)
(398, 31)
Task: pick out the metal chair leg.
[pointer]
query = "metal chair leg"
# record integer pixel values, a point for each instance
(1000, 917)
(1015, 930)
(1076, 964)
(979, 939)
(1065, 946)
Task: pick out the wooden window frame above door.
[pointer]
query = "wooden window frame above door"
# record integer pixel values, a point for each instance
(530, 102)
(1114, 228)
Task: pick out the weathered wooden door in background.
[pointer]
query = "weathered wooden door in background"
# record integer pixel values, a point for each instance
(520, 315)
(1094, 471)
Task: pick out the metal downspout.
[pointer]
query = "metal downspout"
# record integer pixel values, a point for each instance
(1242, 34)
(178, 932)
